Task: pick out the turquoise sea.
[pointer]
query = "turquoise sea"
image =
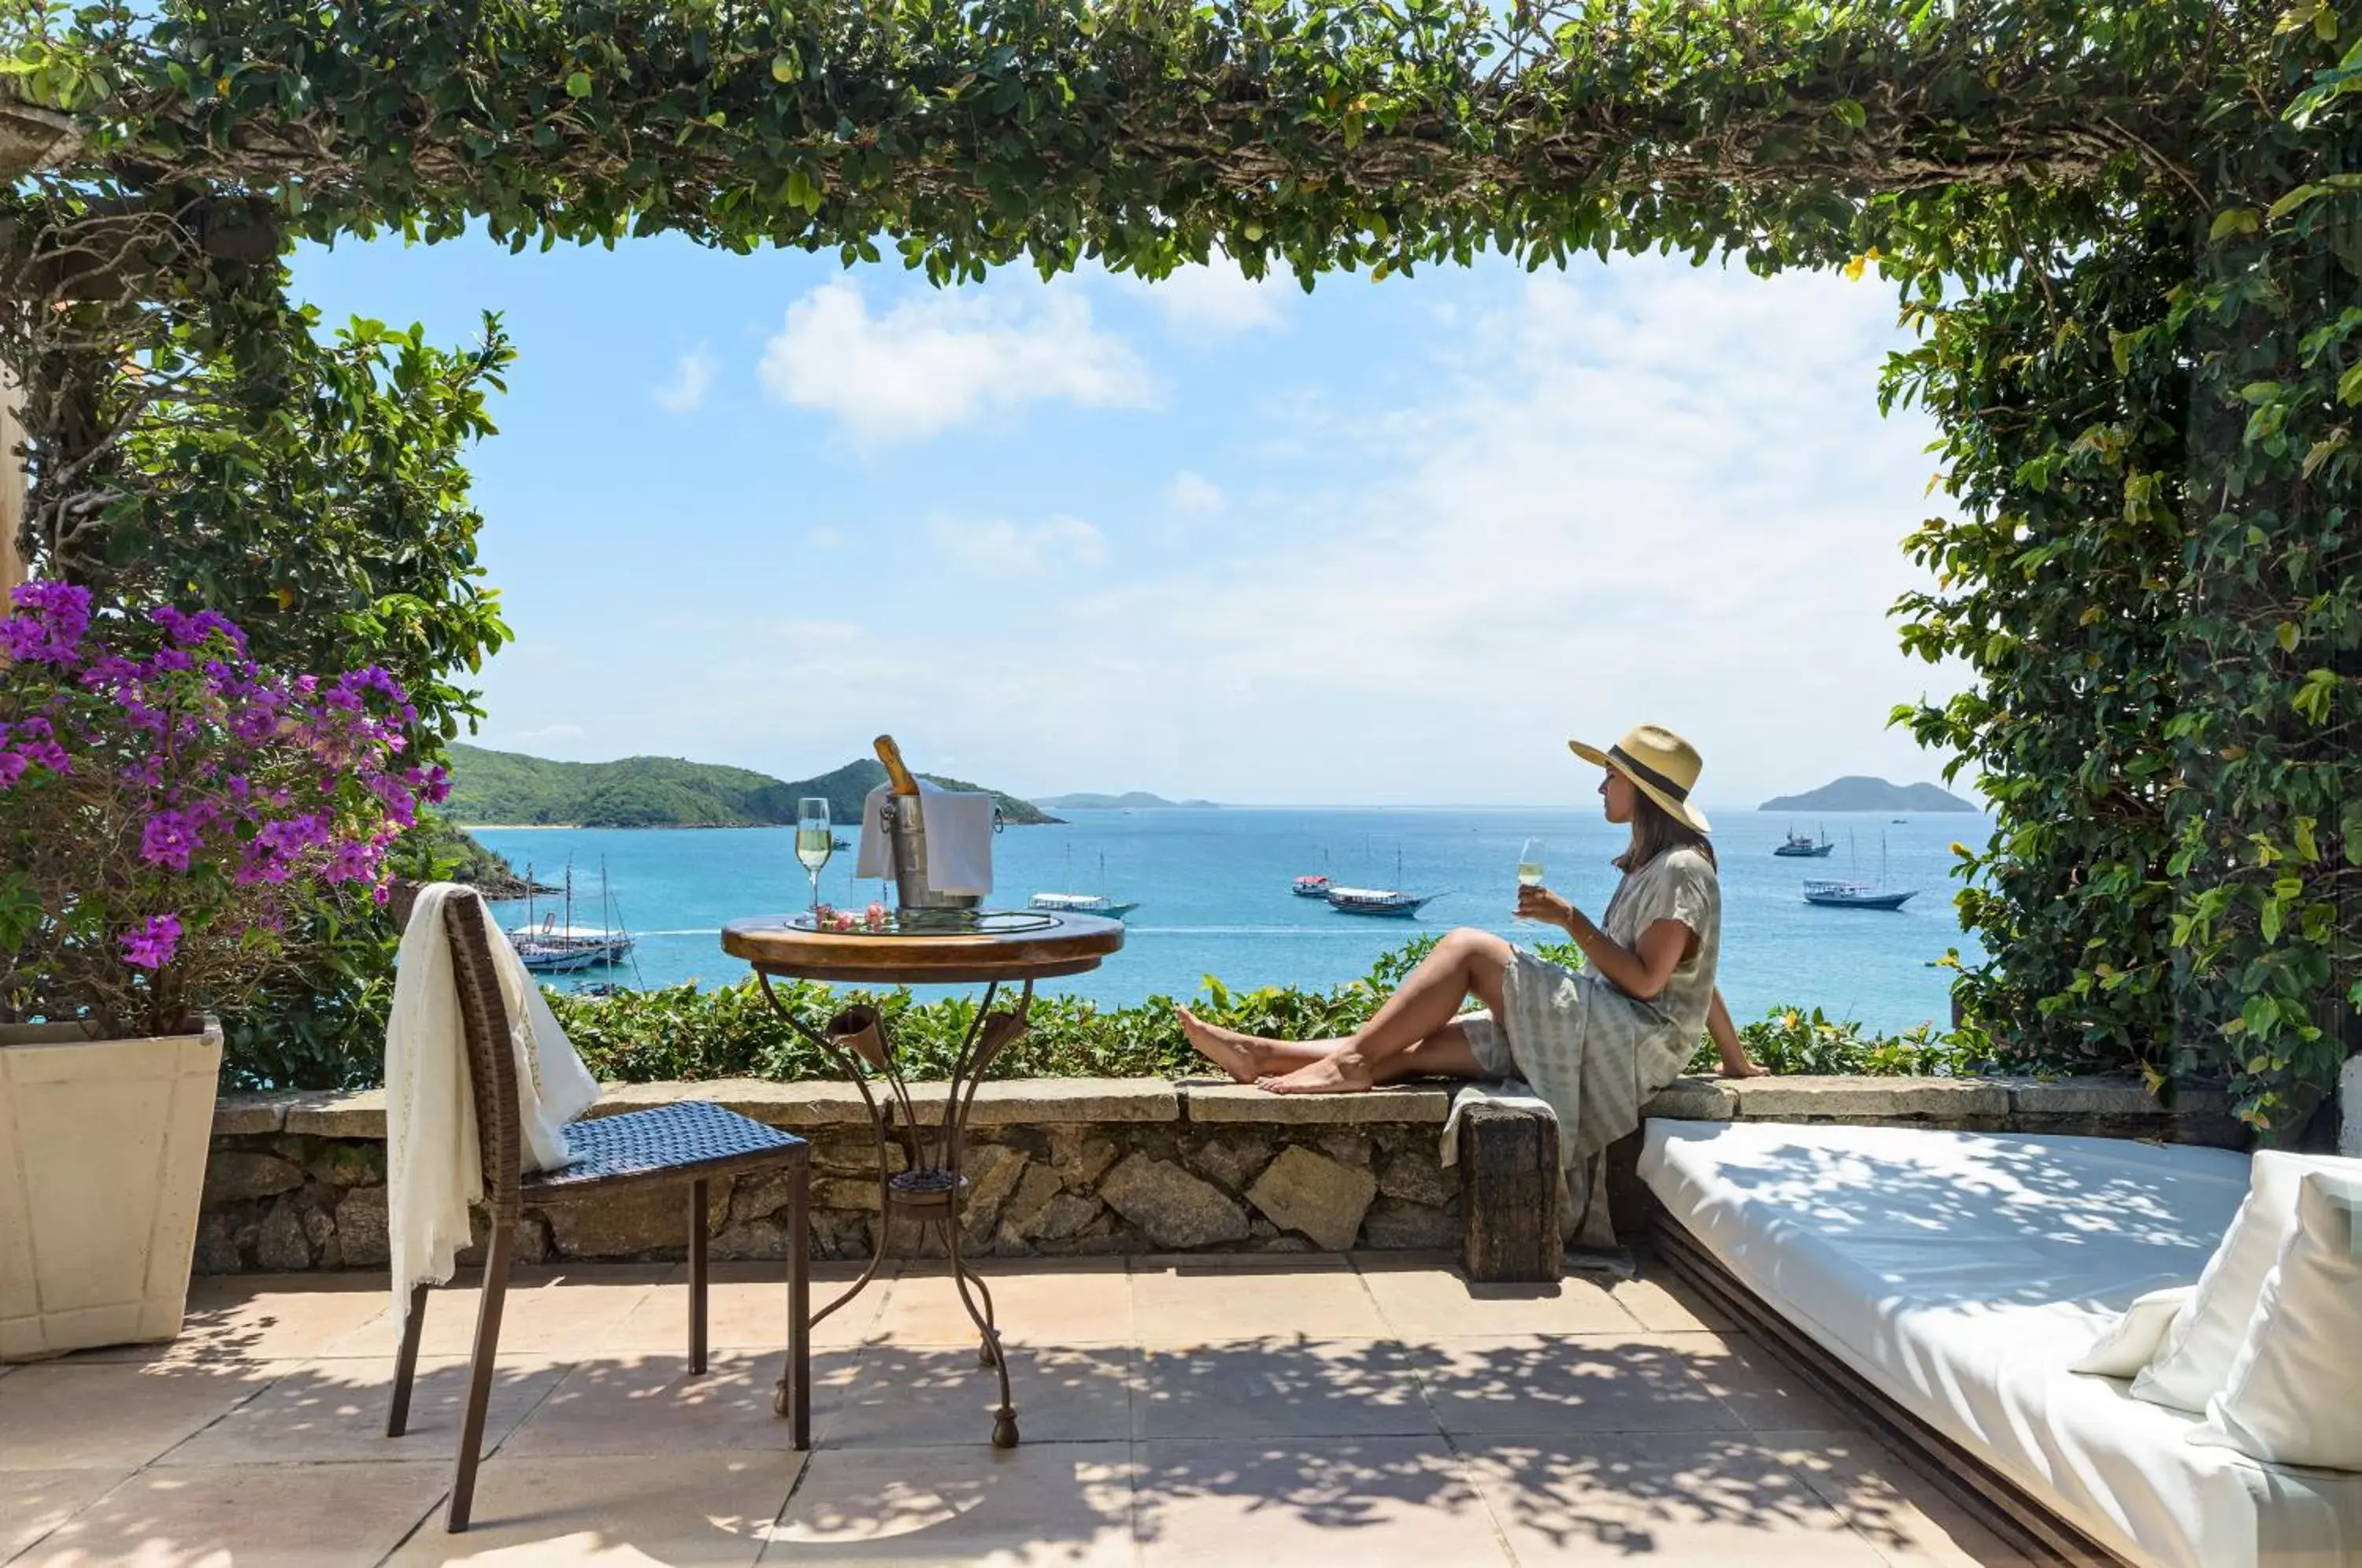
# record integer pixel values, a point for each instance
(1213, 891)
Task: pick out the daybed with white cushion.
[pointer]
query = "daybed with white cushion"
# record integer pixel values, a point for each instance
(1960, 1275)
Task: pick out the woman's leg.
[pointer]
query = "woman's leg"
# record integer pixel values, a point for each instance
(1466, 961)
(1247, 1057)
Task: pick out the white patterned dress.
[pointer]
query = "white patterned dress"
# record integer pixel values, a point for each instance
(1593, 1052)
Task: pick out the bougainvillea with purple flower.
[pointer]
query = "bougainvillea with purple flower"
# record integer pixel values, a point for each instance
(165, 803)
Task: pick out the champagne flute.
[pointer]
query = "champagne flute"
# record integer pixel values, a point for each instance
(815, 840)
(1529, 869)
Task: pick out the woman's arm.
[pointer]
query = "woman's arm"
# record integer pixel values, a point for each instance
(1643, 973)
(1735, 1064)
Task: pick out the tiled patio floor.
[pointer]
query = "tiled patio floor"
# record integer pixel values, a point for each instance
(1360, 1411)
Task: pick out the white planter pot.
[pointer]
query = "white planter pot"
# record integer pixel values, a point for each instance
(102, 1148)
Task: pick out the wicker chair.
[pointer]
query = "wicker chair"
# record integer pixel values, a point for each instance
(691, 1144)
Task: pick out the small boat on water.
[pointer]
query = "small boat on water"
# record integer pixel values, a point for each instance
(1311, 887)
(1381, 901)
(1804, 846)
(1080, 903)
(1098, 904)
(553, 944)
(1854, 894)
(1857, 895)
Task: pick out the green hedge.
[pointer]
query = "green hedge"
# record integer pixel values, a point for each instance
(683, 1032)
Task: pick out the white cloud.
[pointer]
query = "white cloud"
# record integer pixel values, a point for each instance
(692, 379)
(1220, 298)
(992, 548)
(939, 359)
(1192, 494)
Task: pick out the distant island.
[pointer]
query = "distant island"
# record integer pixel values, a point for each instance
(1858, 792)
(1133, 801)
(509, 789)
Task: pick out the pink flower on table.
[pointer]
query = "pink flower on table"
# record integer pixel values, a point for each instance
(874, 917)
(846, 921)
(823, 915)
(151, 945)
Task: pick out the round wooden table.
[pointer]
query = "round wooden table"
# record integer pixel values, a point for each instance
(994, 948)
(1033, 945)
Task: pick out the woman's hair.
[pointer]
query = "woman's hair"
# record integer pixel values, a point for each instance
(1656, 831)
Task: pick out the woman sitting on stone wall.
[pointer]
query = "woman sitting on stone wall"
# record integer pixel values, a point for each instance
(1595, 1043)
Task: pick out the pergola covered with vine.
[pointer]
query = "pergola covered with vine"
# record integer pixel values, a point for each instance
(2129, 234)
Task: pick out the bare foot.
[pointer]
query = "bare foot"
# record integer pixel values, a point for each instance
(1240, 1055)
(1745, 1070)
(1340, 1072)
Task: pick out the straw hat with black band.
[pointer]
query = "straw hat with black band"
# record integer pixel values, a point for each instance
(1659, 764)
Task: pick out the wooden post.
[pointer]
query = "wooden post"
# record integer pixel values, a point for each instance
(1509, 1180)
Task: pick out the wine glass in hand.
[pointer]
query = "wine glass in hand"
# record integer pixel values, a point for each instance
(1529, 867)
(815, 840)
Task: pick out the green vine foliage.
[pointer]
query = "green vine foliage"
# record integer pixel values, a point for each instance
(2158, 578)
(2127, 233)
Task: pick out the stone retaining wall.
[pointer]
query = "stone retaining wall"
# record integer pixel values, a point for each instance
(1068, 1166)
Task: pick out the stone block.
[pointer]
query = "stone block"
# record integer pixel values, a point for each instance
(1067, 1215)
(1210, 1102)
(1228, 1159)
(1804, 1098)
(1693, 1099)
(1322, 1198)
(797, 1107)
(1513, 1198)
(846, 1192)
(242, 1114)
(764, 1239)
(359, 1113)
(283, 1246)
(217, 1251)
(993, 1171)
(1170, 1207)
(347, 1164)
(857, 1156)
(361, 1228)
(1393, 1224)
(758, 1196)
(632, 1223)
(1345, 1148)
(1037, 1186)
(1079, 1157)
(2097, 1095)
(840, 1235)
(1040, 1102)
(234, 1174)
(1418, 1176)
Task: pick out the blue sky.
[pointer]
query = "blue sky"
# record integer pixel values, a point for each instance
(1384, 543)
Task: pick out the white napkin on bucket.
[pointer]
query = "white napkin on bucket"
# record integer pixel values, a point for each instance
(958, 825)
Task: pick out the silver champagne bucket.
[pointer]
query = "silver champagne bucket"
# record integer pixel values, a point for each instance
(906, 840)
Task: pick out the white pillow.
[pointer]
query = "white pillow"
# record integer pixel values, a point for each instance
(2294, 1394)
(2195, 1360)
(2124, 1349)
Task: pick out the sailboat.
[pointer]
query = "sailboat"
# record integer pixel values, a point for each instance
(1381, 902)
(1860, 895)
(553, 944)
(1081, 903)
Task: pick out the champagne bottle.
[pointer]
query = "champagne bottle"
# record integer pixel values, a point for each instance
(892, 755)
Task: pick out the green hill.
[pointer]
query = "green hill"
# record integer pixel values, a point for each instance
(661, 791)
(1856, 792)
